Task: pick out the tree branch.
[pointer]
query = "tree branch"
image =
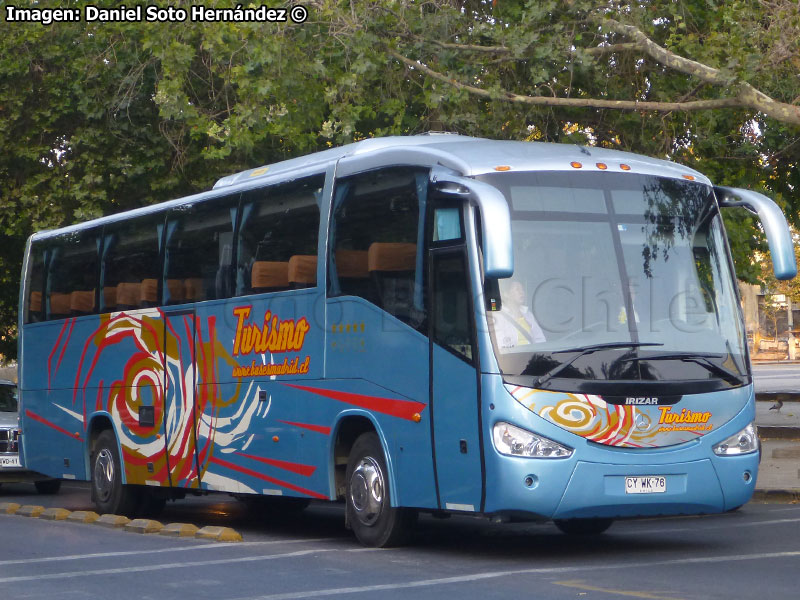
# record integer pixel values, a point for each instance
(746, 95)
(609, 48)
(571, 102)
(743, 95)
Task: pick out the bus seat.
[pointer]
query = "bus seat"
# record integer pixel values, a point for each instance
(303, 271)
(59, 304)
(176, 290)
(81, 301)
(352, 264)
(392, 257)
(392, 266)
(35, 304)
(269, 276)
(148, 292)
(128, 294)
(193, 287)
(353, 274)
(110, 297)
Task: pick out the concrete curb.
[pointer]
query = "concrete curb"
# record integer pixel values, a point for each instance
(29, 510)
(220, 534)
(775, 396)
(180, 530)
(83, 516)
(112, 521)
(141, 526)
(776, 496)
(144, 526)
(778, 432)
(54, 514)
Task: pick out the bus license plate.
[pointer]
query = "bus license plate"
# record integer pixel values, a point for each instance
(647, 484)
(9, 461)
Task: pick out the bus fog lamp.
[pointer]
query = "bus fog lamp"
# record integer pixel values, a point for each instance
(744, 442)
(514, 441)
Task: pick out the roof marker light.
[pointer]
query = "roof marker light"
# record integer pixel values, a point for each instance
(502, 168)
(602, 166)
(625, 167)
(576, 164)
(689, 177)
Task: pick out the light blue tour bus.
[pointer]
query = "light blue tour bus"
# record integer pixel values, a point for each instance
(431, 323)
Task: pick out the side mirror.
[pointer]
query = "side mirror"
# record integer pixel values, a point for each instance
(498, 255)
(774, 222)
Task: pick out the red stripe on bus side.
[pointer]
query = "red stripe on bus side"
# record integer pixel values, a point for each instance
(300, 469)
(318, 428)
(43, 421)
(246, 471)
(404, 409)
(53, 353)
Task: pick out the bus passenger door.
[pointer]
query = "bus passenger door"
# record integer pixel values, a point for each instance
(454, 401)
(179, 397)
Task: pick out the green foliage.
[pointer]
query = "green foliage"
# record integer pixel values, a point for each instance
(101, 117)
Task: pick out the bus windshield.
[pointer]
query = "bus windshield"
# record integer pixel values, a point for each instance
(617, 277)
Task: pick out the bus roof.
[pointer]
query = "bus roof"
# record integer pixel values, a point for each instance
(469, 156)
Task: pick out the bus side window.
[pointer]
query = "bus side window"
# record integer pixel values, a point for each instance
(131, 266)
(278, 233)
(452, 323)
(199, 251)
(71, 289)
(377, 249)
(35, 286)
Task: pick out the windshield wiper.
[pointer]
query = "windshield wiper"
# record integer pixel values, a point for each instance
(701, 358)
(583, 351)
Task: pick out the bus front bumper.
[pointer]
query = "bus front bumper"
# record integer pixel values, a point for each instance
(603, 490)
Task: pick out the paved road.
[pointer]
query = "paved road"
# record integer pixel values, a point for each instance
(755, 550)
(777, 377)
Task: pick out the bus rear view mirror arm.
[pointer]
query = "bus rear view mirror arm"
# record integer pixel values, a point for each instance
(498, 257)
(779, 237)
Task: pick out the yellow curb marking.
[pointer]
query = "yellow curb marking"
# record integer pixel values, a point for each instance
(54, 514)
(112, 521)
(210, 532)
(221, 534)
(180, 530)
(143, 526)
(29, 510)
(83, 516)
(9, 508)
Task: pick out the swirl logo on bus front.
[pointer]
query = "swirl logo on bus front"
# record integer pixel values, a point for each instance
(622, 425)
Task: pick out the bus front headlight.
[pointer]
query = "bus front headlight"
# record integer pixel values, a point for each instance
(744, 442)
(514, 441)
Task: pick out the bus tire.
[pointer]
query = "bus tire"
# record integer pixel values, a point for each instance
(109, 493)
(583, 526)
(375, 522)
(48, 486)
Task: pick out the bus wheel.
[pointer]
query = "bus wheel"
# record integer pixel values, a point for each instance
(369, 512)
(49, 486)
(583, 526)
(110, 495)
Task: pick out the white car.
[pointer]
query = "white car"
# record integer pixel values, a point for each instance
(11, 468)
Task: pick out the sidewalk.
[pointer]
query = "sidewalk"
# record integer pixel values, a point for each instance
(779, 430)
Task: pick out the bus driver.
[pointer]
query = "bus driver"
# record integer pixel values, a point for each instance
(516, 325)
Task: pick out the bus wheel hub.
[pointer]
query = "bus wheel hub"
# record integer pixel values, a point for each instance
(366, 490)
